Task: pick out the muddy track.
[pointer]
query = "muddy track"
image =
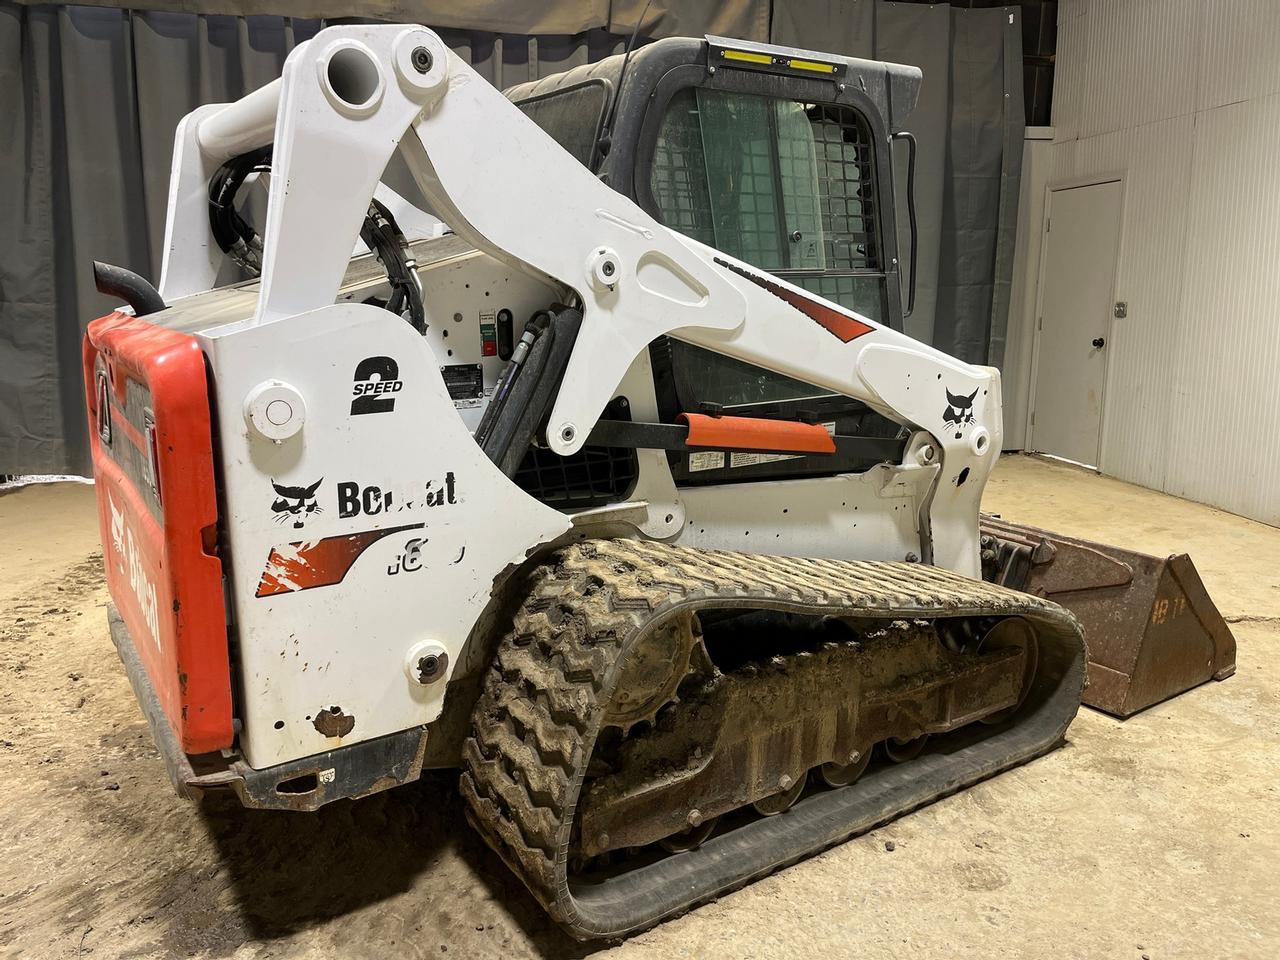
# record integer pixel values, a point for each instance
(556, 671)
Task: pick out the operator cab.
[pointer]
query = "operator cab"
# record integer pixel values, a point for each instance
(773, 156)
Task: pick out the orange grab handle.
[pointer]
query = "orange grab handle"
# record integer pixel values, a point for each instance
(750, 433)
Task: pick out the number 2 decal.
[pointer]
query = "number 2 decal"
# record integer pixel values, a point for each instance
(376, 382)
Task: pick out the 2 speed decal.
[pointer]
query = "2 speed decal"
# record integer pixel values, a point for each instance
(375, 384)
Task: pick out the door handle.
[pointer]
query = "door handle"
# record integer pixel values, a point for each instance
(911, 215)
(1099, 342)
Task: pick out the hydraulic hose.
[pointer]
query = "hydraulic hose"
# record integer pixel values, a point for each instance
(380, 233)
(234, 236)
(129, 287)
(532, 331)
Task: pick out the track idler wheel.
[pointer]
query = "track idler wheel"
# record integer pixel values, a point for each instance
(657, 664)
(1013, 633)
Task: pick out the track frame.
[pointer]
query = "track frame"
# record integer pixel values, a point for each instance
(558, 666)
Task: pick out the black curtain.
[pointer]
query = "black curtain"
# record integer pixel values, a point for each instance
(90, 96)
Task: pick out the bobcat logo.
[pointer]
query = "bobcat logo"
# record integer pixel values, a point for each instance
(297, 503)
(131, 562)
(959, 410)
(117, 530)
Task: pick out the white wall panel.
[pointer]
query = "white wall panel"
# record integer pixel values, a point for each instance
(1068, 80)
(1241, 57)
(1037, 168)
(1227, 415)
(1139, 59)
(1182, 99)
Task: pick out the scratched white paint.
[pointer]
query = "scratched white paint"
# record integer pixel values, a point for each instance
(344, 644)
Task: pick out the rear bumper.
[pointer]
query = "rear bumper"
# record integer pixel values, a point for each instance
(306, 784)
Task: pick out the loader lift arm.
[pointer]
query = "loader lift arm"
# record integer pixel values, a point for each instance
(346, 101)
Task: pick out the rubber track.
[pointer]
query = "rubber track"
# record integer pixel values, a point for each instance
(536, 720)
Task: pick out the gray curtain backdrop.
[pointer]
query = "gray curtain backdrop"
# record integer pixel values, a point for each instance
(90, 96)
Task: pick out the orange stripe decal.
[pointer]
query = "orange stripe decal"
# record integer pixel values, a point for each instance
(317, 563)
(839, 325)
(750, 433)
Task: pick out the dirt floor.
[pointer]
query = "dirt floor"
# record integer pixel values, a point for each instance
(1154, 838)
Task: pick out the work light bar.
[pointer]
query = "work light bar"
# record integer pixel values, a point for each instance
(757, 56)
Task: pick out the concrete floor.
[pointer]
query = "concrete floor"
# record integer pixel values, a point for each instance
(1155, 837)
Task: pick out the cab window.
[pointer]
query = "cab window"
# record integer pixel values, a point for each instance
(784, 185)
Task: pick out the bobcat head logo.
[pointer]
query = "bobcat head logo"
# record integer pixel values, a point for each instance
(296, 503)
(959, 409)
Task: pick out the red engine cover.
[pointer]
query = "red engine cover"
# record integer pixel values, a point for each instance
(151, 436)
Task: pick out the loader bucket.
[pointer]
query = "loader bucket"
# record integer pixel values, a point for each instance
(1151, 629)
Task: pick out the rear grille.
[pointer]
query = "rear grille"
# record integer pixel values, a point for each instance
(592, 477)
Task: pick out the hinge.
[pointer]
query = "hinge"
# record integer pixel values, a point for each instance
(1039, 323)
(1033, 418)
(1048, 225)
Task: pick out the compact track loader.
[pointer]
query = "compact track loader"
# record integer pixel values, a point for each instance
(618, 486)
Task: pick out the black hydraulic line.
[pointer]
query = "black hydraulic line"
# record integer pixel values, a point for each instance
(382, 235)
(605, 140)
(564, 330)
(379, 231)
(529, 392)
(234, 236)
(134, 290)
(532, 330)
(517, 404)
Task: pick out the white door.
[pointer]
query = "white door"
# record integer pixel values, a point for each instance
(1076, 290)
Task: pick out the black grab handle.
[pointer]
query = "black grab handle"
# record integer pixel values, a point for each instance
(911, 215)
